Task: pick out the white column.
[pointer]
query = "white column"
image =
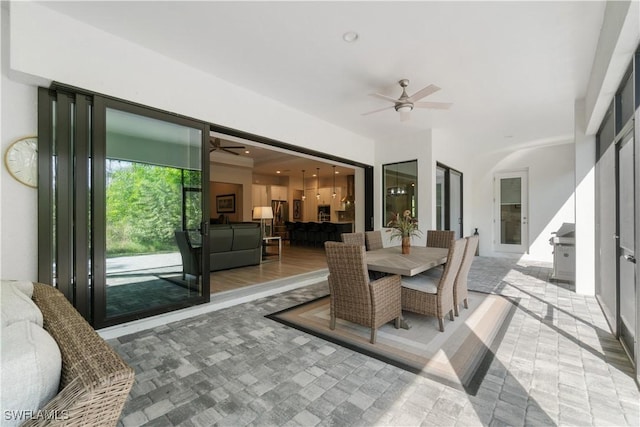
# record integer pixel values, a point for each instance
(585, 149)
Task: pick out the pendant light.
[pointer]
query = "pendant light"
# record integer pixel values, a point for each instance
(334, 182)
(303, 196)
(397, 190)
(318, 183)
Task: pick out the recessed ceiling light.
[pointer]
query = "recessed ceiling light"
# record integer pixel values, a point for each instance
(314, 174)
(247, 151)
(337, 172)
(350, 36)
(277, 171)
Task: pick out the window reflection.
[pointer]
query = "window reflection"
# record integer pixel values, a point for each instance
(400, 183)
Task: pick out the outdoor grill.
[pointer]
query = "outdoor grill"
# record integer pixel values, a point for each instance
(564, 252)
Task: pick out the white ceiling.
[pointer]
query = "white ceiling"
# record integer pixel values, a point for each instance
(511, 69)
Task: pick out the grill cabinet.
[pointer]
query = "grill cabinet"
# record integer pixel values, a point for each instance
(564, 253)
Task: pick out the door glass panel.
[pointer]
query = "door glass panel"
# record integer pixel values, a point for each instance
(455, 197)
(511, 211)
(440, 198)
(153, 178)
(627, 243)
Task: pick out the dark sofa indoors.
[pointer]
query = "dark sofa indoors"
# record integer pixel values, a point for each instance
(234, 245)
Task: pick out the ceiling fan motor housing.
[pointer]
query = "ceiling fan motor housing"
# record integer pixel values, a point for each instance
(404, 106)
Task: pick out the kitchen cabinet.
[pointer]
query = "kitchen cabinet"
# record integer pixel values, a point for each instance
(259, 195)
(279, 192)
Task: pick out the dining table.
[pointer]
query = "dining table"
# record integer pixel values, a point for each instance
(391, 259)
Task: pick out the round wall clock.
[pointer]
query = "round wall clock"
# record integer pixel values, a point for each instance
(21, 159)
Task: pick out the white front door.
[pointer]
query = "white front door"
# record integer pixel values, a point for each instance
(511, 212)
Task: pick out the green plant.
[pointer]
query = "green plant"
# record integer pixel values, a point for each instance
(404, 225)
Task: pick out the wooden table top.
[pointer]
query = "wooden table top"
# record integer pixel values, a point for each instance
(391, 260)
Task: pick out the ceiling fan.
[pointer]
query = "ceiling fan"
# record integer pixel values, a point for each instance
(406, 103)
(215, 145)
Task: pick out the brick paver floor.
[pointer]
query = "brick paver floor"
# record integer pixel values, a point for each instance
(558, 364)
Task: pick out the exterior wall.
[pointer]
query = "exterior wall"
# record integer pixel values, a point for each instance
(18, 203)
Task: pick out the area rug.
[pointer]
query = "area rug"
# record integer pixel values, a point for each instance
(459, 357)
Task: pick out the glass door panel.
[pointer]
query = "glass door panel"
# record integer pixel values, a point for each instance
(440, 198)
(153, 212)
(455, 203)
(626, 239)
(511, 212)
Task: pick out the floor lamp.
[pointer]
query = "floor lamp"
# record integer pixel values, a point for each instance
(262, 213)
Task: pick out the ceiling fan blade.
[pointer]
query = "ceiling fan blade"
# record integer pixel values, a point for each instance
(385, 97)
(405, 115)
(229, 151)
(433, 105)
(423, 92)
(378, 110)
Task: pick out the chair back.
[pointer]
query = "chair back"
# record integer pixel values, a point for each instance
(353, 239)
(373, 240)
(190, 256)
(454, 260)
(348, 277)
(467, 259)
(440, 238)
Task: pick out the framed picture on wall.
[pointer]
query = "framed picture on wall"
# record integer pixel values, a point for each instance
(226, 203)
(297, 209)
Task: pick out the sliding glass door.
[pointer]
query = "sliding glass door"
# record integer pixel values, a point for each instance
(150, 193)
(122, 230)
(449, 199)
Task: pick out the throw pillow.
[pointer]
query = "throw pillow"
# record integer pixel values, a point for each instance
(16, 306)
(29, 372)
(22, 285)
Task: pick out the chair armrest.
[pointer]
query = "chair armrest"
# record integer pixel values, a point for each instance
(95, 381)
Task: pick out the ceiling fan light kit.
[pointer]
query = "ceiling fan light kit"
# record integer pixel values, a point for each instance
(405, 104)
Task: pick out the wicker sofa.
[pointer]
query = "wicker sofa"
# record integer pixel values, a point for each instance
(95, 381)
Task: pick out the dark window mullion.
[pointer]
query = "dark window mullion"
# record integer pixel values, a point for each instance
(98, 211)
(45, 193)
(81, 206)
(64, 186)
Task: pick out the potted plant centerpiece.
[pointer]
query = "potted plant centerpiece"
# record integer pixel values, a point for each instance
(405, 227)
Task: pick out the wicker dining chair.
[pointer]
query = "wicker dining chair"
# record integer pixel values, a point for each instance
(460, 294)
(353, 238)
(353, 297)
(373, 239)
(440, 238)
(423, 294)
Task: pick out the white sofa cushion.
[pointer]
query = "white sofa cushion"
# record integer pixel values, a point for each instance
(29, 372)
(422, 283)
(23, 286)
(15, 305)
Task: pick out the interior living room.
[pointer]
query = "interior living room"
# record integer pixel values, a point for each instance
(320, 213)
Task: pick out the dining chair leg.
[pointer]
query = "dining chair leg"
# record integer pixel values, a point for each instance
(451, 315)
(466, 304)
(373, 335)
(455, 310)
(441, 322)
(398, 320)
(332, 322)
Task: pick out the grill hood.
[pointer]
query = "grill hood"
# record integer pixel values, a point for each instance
(351, 190)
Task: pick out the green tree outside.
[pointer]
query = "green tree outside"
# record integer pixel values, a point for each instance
(144, 207)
